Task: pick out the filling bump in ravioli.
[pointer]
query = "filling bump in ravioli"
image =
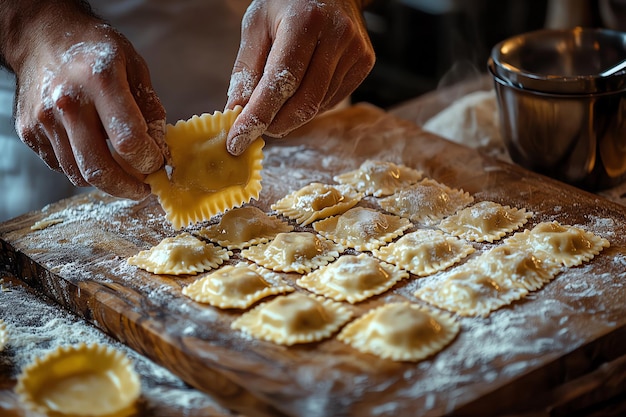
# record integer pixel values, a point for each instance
(317, 201)
(362, 228)
(202, 178)
(426, 202)
(485, 221)
(425, 251)
(554, 242)
(182, 254)
(379, 178)
(236, 286)
(353, 278)
(294, 252)
(401, 332)
(293, 319)
(244, 226)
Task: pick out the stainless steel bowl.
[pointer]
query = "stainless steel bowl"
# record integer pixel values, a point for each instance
(562, 114)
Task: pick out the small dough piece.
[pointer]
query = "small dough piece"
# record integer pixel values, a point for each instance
(485, 221)
(567, 245)
(204, 179)
(425, 251)
(236, 286)
(362, 228)
(244, 226)
(379, 178)
(4, 336)
(317, 201)
(292, 319)
(182, 254)
(426, 202)
(470, 290)
(80, 380)
(401, 332)
(45, 223)
(294, 252)
(520, 265)
(353, 278)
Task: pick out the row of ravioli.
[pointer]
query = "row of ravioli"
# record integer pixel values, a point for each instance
(444, 222)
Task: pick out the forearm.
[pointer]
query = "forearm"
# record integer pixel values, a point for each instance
(26, 23)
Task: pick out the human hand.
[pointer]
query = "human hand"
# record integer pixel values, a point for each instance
(297, 58)
(85, 104)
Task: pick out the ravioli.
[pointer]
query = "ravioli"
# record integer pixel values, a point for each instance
(202, 178)
(182, 254)
(565, 244)
(485, 221)
(352, 278)
(362, 228)
(293, 319)
(426, 202)
(294, 252)
(317, 201)
(237, 286)
(244, 226)
(401, 332)
(470, 290)
(379, 178)
(425, 251)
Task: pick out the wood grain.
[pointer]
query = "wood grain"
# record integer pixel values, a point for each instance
(520, 353)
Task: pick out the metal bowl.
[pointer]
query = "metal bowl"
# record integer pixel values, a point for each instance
(562, 110)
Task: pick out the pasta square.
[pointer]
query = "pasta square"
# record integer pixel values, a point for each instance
(379, 178)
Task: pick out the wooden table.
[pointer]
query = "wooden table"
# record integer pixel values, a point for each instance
(573, 369)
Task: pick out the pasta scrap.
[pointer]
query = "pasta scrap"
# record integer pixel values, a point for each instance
(317, 201)
(294, 252)
(425, 251)
(485, 221)
(182, 254)
(362, 228)
(293, 319)
(352, 278)
(426, 202)
(379, 178)
(244, 226)
(401, 332)
(237, 286)
(203, 178)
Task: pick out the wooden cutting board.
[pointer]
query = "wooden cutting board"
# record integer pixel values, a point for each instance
(514, 357)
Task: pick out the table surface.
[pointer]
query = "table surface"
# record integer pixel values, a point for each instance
(163, 394)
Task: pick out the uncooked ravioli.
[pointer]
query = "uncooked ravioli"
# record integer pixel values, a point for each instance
(401, 332)
(362, 228)
(182, 254)
(204, 179)
(352, 278)
(244, 226)
(317, 201)
(292, 319)
(379, 178)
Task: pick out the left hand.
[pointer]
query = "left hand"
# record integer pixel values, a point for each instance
(297, 58)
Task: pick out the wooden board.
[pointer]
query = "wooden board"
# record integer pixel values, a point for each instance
(520, 353)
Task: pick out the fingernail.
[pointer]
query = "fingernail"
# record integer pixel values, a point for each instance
(237, 145)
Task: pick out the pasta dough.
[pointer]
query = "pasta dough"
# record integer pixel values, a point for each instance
(204, 179)
(317, 201)
(352, 278)
(244, 226)
(425, 251)
(426, 202)
(294, 252)
(401, 332)
(485, 221)
(379, 178)
(292, 319)
(362, 228)
(236, 286)
(182, 254)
